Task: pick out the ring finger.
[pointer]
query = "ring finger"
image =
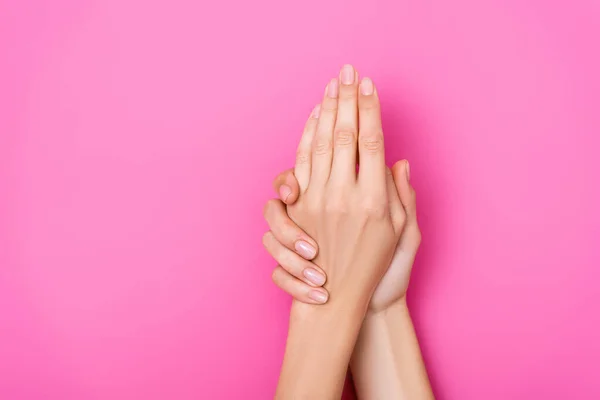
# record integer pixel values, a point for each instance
(293, 263)
(298, 289)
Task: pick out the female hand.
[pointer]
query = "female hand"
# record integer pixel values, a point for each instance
(294, 266)
(288, 244)
(356, 218)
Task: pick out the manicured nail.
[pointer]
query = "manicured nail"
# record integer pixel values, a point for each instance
(314, 276)
(407, 171)
(318, 296)
(332, 88)
(284, 192)
(305, 249)
(316, 111)
(366, 87)
(347, 75)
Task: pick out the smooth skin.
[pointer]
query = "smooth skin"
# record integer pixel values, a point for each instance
(290, 275)
(360, 221)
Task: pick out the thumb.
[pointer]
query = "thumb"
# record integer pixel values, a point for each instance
(401, 173)
(286, 186)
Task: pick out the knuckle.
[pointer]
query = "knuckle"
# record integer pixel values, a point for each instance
(266, 239)
(367, 105)
(276, 275)
(349, 94)
(268, 207)
(322, 146)
(302, 157)
(286, 225)
(285, 259)
(313, 207)
(372, 143)
(375, 208)
(336, 206)
(329, 106)
(399, 219)
(311, 122)
(345, 138)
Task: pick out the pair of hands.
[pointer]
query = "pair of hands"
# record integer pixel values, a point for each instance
(360, 232)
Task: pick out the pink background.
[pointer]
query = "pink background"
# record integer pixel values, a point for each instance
(138, 141)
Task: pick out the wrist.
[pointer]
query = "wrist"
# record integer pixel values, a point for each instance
(340, 307)
(398, 305)
(320, 342)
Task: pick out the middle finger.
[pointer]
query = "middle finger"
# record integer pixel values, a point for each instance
(346, 128)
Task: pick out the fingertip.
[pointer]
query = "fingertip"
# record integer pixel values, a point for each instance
(314, 277)
(319, 296)
(332, 88)
(286, 186)
(299, 290)
(316, 111)
(366, 87)
(266, 238)
(397, 165)
(284, 193)
(401, 172)
(305, 249)
(294, 188)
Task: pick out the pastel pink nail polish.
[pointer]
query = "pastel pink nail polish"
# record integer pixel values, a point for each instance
(314, 276)
(318, 296)
(366, 87)
(347, 75)
(284, 192)
(305, 249)
(332, 89)
(316, 111)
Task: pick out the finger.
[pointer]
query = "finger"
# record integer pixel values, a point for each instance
(293, 263)
(396, 209)
(287, 232)
(286, 185)
(303, 154)
(298, 289)
(411, 236)
(401, 174)
(323, 141)
(345, 133)
(370, 138)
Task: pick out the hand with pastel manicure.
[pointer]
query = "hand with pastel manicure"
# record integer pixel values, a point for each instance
(294, 272)
(346, 239)
(293, 248)
(328, 187)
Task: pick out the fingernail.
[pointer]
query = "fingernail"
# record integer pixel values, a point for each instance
(366, 87)
(347, 75)
(316, 111)
(407, 171)
(318, 296)
(332, 88)
(284, 192)
(314, 276)
(305, 249)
